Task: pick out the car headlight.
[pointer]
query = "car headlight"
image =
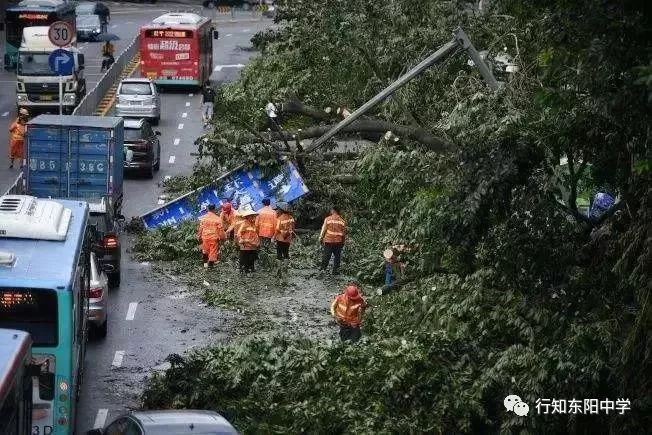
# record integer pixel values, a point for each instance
(21, 98)
(96, 30)
(69, 98)
(20, 87)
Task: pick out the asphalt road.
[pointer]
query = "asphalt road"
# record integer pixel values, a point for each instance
(150, 316)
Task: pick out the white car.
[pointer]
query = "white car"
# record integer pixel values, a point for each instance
(98, 295)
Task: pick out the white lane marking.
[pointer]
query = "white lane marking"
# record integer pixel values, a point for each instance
(5, 114)
(246, 30)
(129, 22)
(221, 67)
(172, 159)
(228, 35)
(187, 103)
(113, 26)
(177, 140)
(100, 418)
(161, 201)
(167, 178)
(184, 115)
(191, 95)
(117, 359)
(180, 126)
(131, 311)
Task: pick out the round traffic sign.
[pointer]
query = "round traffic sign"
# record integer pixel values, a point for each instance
(61, 33)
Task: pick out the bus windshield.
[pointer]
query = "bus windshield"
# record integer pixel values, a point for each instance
(31, 310)
(34, 64)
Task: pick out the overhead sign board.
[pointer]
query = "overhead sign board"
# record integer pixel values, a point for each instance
(240, 187)
(61, 33)
(62, 62)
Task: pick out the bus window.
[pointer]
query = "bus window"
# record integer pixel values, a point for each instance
(31, 310)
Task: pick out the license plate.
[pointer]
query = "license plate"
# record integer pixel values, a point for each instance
(169, 72)
(45, 97)
(136, 103)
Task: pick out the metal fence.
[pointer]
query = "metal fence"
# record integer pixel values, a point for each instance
(18, 188)
(91, 101)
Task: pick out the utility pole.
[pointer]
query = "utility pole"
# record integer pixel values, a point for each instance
(460, 41)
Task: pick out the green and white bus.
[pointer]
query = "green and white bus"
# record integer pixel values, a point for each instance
(44, 279)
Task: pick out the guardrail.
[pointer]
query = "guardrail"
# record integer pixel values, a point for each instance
(18, 187)
(89, 103)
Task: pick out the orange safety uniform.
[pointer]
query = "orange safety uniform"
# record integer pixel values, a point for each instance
(235, 226)
(333, 230)
(211, 231)
(16, 140)
(284, 228)
(348, 311)
(266, 222)
(227, 218)
(248, 237)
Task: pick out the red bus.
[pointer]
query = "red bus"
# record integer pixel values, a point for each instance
(177, 49)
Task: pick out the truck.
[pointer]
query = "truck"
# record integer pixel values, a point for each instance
(37, 87)
(78, 157)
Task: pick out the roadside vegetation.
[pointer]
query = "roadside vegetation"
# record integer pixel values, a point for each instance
(510, 289)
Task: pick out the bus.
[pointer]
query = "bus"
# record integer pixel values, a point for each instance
(45, 247)
(29, 13)
(15, 382)
(177, 49)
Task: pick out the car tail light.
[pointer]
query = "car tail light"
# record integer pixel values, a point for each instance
(95, 292)
(110, 242)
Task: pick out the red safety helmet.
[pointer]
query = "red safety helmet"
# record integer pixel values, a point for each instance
(226, 207)
(352, 292)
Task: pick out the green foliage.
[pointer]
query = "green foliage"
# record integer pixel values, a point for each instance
(513, 291)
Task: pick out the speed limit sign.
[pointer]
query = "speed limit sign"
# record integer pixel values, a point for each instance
(61, 33)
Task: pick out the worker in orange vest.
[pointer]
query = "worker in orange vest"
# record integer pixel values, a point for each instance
(248, 240)
(284, 230)
(238, 220)
(347, 309)
(333, 236)
(228, 216)
(210, 233)
(17, 137)
(266, 223)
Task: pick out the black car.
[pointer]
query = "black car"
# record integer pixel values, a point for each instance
(142, 147)
(104, 222)
(95, 8)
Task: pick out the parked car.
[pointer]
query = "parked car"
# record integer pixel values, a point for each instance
(89, 27)
(177, 422)
(138, 98)
(98, 293)
(142, 147)
(94, 8)
(104, 223)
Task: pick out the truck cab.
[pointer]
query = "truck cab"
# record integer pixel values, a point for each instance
(37, 87)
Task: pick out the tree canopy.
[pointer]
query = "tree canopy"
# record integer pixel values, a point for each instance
(512, 289)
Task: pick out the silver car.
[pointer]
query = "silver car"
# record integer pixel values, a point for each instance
(98, 295)
(177, 422)
(138, 98)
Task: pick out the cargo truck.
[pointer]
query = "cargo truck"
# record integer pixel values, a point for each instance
(37, 87)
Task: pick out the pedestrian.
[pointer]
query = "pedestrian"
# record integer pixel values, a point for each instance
(248, 241)
(210, 233)
(333, 236)
(284, 231)
(17, 138)
(347, 309)
(207, 101)
(266, 223)
(393, 267)
(228, 216)
(107, 56)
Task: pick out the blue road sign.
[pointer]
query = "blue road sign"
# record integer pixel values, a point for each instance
(61, 62)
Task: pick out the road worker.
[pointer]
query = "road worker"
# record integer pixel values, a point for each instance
(210, 233)
(17, 137)
(248, 240)
(393, 267)
(238, 220)
(347, 309)
(266, 223)
(333, 236)
(228, 217)
(284, 233)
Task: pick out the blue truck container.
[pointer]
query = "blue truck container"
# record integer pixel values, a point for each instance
(77, 157)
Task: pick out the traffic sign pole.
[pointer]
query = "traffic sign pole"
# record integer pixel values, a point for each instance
(61, 34)
(60, 94)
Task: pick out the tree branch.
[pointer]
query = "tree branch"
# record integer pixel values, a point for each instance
(377, 126)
